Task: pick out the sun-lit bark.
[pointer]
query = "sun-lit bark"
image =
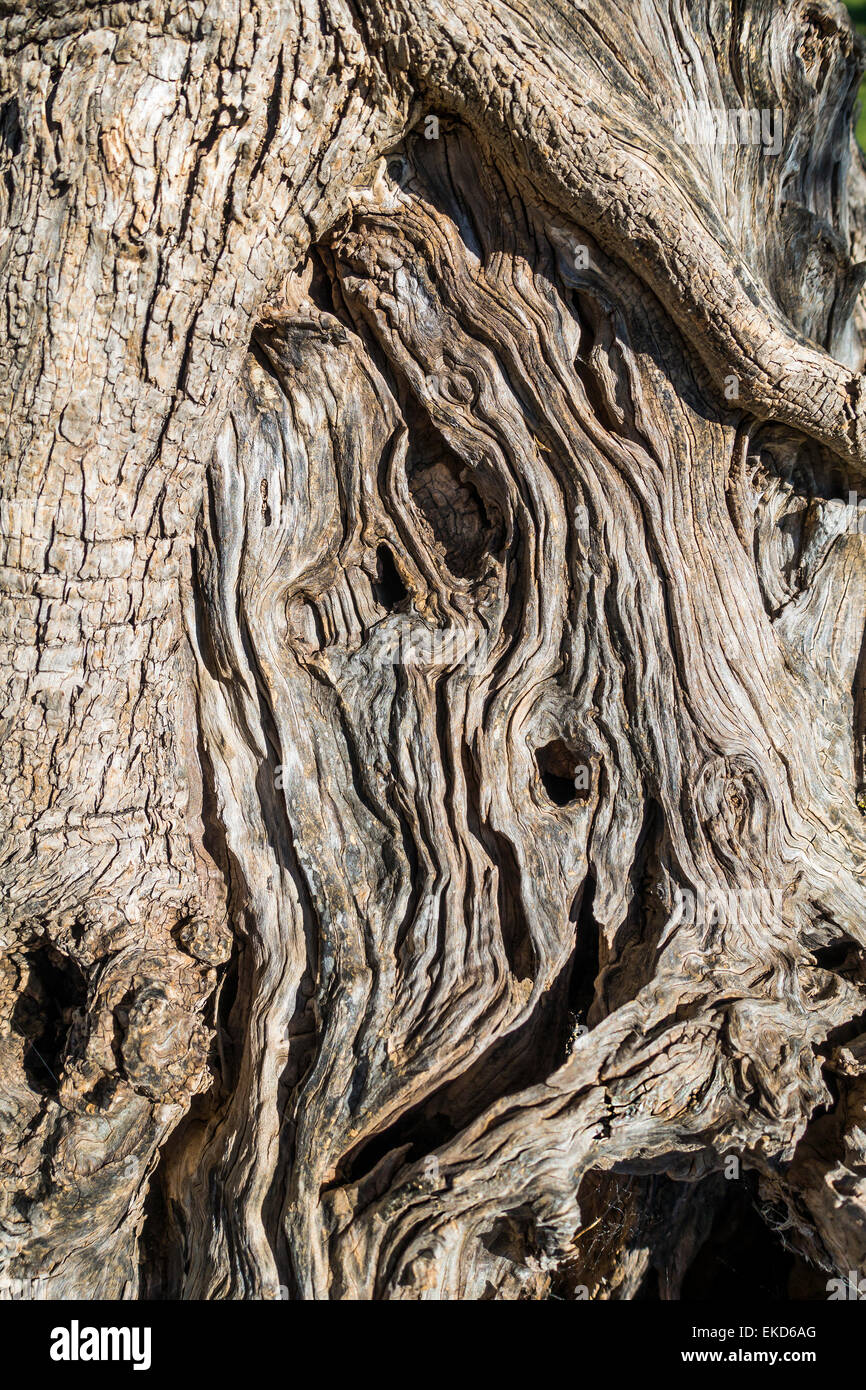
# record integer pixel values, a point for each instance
(433, 605)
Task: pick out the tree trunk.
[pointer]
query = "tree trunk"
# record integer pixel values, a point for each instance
(433, 600)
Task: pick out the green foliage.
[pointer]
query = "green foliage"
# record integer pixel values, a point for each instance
(858, 19)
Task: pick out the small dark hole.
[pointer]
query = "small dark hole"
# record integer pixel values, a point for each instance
(743, 1258)
(420, 1131)
(388, 588)
(321, 289)
(586, 961)
(466, 522)
(649, 1291)
(837, 956)
(566, 776)
(10, 126)
(45, 1013)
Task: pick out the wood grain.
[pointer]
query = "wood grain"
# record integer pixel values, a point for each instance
(433, 598)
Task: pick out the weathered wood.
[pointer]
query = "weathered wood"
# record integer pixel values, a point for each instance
(433, 606)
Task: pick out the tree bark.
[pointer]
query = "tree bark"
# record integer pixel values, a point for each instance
(433, 599)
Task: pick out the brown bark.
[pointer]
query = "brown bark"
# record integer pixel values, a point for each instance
(433, 606)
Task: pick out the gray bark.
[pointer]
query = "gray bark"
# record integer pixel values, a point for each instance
(432, 610)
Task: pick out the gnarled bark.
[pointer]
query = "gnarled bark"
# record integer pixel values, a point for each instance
(434, 608)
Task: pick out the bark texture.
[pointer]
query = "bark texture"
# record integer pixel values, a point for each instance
(432, 647)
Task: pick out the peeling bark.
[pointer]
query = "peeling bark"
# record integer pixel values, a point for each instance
(433, 606)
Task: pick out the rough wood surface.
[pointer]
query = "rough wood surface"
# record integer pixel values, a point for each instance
(433, 599)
